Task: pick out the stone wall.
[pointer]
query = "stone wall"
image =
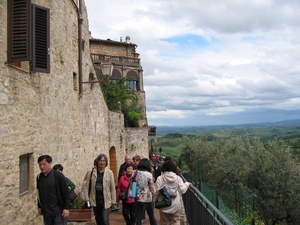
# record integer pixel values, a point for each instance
(43, 114)
(137, 141)
(107, 49)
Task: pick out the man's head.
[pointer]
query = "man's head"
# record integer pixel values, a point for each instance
(58, 167)
(45, 162)
(136, 159)
(127, 159)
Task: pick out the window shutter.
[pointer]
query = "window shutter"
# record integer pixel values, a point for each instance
(40, 39)
(18, 30)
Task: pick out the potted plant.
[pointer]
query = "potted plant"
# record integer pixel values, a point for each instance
(79, 211)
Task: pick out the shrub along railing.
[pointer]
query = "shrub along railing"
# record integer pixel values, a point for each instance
(200, 211)
(236, 205)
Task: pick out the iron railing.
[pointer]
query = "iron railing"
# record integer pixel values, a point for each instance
(200, 211)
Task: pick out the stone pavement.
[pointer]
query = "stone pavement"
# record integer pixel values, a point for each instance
(116, 218)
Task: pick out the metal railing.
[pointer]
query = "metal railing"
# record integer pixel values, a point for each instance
(200, 211)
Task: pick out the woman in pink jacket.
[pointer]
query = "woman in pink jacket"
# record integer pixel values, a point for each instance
(127, 204)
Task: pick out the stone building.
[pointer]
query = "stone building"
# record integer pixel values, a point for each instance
(47, 107)
(126, 63)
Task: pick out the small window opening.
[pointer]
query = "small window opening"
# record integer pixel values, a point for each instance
(75, 81)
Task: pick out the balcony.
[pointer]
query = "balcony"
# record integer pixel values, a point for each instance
(116, 60)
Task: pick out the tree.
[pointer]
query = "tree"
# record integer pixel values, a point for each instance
(264, 170)
(118, 95)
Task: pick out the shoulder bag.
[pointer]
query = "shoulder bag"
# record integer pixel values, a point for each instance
(164, 199)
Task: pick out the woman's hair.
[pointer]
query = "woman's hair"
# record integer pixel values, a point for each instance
(144, 165)
(136, 157)
(129, 165)
(58, 167)
(99, 157)
(169, 166)
(168, 158)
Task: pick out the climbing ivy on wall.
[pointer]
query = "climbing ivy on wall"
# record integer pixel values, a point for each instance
(120, 97)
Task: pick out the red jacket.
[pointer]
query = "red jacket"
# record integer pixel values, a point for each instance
(123, 185)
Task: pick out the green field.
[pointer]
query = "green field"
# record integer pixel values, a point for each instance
(170, 138)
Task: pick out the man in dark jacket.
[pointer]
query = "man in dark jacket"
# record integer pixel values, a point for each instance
(156, 169)
(122, 168)
(53, 193)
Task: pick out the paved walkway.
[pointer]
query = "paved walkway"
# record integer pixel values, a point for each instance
(116, 218)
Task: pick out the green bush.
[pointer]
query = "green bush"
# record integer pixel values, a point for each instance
(78, 203)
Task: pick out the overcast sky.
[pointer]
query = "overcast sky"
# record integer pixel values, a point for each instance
(210, 62)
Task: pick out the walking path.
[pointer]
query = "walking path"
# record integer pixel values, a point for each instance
(116, 218)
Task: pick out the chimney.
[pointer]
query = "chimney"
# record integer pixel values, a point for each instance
(127, 39)
(120, 39)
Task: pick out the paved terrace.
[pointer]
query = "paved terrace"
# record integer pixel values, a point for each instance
(116, 218)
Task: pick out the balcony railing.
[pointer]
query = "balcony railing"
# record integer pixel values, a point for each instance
(200, 211)
(117, 60)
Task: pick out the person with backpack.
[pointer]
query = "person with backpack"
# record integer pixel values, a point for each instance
(145, 190)
(71, 185)
(171, 215)
(53, 193)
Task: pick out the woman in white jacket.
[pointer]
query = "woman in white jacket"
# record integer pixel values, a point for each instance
(176, 187)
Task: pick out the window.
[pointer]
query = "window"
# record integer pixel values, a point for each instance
(75, 81)
(116, 75)
(132, 84)
(24, 173)
(28, 35)
(133, 80)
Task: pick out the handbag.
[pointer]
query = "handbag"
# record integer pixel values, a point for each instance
(73, 195)
(164, 199)
(123, 196)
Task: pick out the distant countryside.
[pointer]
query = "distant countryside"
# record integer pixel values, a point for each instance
(253, 169)
(170, 138)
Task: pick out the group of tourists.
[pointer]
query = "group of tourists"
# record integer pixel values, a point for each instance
(139, 184)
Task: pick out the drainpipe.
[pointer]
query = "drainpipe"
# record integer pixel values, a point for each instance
(80, 20)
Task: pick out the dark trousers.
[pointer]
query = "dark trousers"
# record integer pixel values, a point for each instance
(129, 213)
(101, 215)
(149, 207)
(54, 220)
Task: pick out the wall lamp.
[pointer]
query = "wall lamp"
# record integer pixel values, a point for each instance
(106, 68)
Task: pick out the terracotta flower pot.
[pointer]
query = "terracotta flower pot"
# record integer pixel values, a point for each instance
(81, 215)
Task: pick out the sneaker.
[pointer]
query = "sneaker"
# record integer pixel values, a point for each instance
(114, 208)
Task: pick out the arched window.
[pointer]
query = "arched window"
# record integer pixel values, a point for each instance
(116, 75)
(133, 80)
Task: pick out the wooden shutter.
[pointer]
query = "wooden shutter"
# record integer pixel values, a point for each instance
(40, 39)
(18, 30)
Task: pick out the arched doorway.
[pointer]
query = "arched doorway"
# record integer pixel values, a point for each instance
(113, 163)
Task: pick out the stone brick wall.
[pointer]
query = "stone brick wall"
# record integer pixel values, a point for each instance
(106, 49)
(137, 141)
(43, 114)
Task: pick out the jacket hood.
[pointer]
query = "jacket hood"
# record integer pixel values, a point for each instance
(169, 177)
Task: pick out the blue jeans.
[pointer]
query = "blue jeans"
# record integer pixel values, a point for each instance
(101, 215)
(149, 207)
